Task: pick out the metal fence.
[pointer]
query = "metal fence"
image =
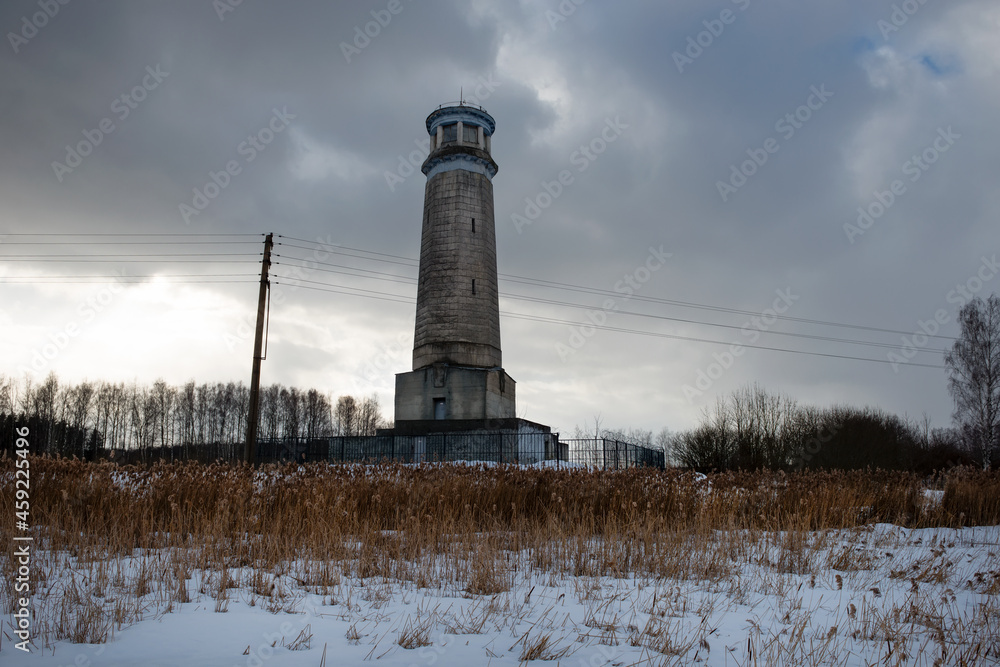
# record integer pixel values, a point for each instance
(491, 447)
(508, 447)
(511, 447)
(267, 452)
(611, 454)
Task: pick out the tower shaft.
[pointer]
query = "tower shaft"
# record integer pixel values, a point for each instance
(458, 309)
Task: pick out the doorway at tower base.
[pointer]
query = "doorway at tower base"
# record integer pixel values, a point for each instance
(443, 392)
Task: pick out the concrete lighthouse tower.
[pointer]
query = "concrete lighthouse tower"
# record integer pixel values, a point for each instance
(458, 373)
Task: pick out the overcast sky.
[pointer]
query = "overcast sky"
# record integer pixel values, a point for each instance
(738, 136)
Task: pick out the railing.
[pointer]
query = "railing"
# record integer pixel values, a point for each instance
(507, 447)
(495, 447)
(482, 446)
(612, 454)
(461, 103)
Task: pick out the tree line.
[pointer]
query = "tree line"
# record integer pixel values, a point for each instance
(749, 429)
(78, 419)
(753, 428)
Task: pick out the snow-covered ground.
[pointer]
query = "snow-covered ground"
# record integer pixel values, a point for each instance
(875, 595)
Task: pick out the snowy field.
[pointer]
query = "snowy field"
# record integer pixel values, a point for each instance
(865, 595)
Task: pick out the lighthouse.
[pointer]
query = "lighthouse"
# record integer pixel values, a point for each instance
(458, 374)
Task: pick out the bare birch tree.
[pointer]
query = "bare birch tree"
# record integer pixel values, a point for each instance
(974, 375)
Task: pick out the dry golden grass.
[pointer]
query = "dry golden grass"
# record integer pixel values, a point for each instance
(138, 536)
(274, 512)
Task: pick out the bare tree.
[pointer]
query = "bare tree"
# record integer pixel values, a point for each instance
(241, 411)
(270, 411)
(663, 441)
(164, 396)
(710, 445)
(974, 375)
(26, 396)
(291, 408)
(79, 419)
(83, 397)
(143, 418)
(187, 403)
(370, 416)
(313, 412)
(8, 395)
(203, 399)
(633, 436)
(111, 410)
(44, 407)
(346, 416)
(750, 429)
(79, 401)
(223, 410)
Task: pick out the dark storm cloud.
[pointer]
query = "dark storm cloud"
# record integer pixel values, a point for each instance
(828, 103)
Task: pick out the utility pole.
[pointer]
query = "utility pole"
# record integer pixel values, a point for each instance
(253, 417)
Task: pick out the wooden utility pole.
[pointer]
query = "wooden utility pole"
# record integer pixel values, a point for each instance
(253, 416)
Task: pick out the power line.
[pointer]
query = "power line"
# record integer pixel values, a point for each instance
(356, 289)
(7, 243)
(334, 291)
(326, 248)
(86, 234)
(144, 261)
(688, 304)
(405, 261)
(635, 297)
(108, 255)
(157, 275)
(547, 320)
(567, 304)
(412, 263)
(129, 282)
(390, 277)
(714, 342)
(791, 334)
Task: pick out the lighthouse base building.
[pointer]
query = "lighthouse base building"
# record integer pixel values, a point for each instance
(444, 392)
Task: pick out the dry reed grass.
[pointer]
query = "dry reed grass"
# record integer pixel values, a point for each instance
(143, 539)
